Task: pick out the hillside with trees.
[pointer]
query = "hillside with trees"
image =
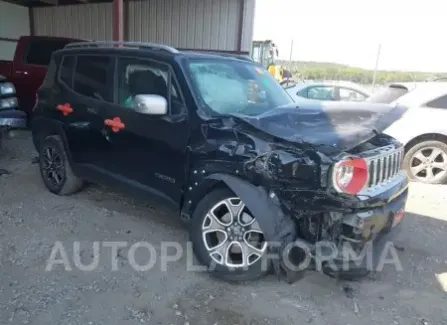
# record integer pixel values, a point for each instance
(334, 71)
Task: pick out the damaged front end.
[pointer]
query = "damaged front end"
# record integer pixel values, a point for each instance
(308, 222)
(322, 183)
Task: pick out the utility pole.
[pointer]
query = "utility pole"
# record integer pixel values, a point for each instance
(291, 52)
(376, 66)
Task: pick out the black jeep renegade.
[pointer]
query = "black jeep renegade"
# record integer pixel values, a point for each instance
(219, 140)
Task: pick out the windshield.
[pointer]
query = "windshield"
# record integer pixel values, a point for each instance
(227, 87)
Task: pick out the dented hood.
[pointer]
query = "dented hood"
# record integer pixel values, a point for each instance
(343, 125)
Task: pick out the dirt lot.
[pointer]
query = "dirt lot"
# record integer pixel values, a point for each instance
(32, 220)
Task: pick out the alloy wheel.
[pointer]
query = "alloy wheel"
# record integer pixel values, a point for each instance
(53, 166)
(429, 164)
(231, 235)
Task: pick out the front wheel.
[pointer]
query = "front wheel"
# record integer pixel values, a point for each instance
(227, 238)
(427, 162)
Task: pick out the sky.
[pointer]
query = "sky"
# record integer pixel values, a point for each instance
(412, 35)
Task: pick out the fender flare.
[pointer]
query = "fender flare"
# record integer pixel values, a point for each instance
(277, 227)
(47, 127)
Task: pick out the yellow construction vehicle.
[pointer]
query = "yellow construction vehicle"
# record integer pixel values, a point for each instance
(266, 54)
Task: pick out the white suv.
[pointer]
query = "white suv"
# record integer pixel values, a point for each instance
(423, 128)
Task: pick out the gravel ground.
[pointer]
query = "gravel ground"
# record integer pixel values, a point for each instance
(32, 220)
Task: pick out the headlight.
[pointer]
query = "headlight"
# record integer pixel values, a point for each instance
(350, 176)
(8, 103)
(7, 88)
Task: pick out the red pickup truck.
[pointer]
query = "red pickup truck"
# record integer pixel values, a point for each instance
(28, 68)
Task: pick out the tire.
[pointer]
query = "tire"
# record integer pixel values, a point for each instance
(250, 272)
(69, 182)
(426, 146)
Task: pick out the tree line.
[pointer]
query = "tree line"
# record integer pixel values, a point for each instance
(334, 71)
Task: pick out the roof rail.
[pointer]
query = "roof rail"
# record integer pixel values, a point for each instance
(150, 46)
(225, 54)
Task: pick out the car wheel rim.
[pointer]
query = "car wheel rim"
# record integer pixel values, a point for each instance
(429, 164)
(53, 166)
(231, 235)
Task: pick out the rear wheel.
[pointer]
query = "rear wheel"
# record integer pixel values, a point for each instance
(227, 238)
(55, 168)
(427, 162)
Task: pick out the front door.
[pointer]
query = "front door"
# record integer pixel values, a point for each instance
(146, 152)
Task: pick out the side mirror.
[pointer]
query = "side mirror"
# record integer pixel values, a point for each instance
(151, 104)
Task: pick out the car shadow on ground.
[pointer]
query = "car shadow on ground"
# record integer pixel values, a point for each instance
(113, 200)
(419, 243)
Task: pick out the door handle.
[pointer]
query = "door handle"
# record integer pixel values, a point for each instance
(22, 72)
(66, 109)
(115, 124)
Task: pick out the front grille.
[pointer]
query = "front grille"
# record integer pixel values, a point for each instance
(384, 166)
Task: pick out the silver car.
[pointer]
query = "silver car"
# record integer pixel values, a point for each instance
(422, 129)
(328, 90)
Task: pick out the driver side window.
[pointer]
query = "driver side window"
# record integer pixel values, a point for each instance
(143, 77)
(321, 93)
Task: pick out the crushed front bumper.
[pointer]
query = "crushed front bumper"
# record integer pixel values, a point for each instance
(367, 244)
(362, 244)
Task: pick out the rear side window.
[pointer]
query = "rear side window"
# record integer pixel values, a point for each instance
(66, 71)
(39, 52)
(321, 93)
(92, 77)
(440, 102)
(388, 95)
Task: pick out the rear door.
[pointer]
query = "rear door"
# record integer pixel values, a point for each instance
(32, 57)
(85, 90)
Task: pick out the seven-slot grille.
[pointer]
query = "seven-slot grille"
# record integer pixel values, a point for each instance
(384, 166)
